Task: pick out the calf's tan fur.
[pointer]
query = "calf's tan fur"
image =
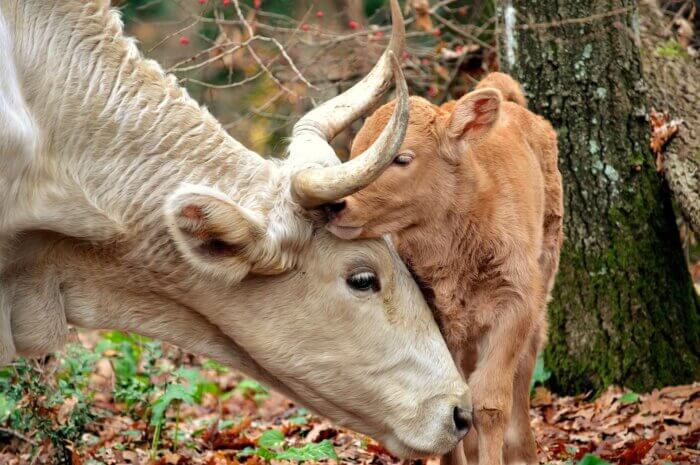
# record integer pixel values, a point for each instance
(474, 204)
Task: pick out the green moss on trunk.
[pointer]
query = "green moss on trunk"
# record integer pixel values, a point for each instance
(624, 309)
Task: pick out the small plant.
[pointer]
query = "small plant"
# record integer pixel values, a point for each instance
(251, 389)
(540, 375)
(191, 391)
(133, 360)
(629, 397)
(271, 447)
(42, 407)
(300, 417)
(173, 393)
(197, 384)
(590, 459)
(671, 49)
(7, 404)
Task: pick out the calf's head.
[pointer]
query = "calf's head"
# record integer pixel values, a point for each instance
(422, 178)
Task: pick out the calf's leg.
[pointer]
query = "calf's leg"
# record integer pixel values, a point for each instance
(471, 447)
(454, 457)
(465, 357)
(469, 356)
(520, 447)
(492, 381)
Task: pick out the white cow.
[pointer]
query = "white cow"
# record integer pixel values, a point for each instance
(125, 205)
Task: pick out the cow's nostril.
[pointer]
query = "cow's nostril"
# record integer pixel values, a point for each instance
(463, 420)
(336, 207)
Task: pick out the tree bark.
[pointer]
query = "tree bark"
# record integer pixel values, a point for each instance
(673, 78)
(624, 310)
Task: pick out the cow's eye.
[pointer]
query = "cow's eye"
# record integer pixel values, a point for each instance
(403, 159)
(363, 281)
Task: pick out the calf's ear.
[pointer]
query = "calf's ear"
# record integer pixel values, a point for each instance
(213, 232)
(474, 115)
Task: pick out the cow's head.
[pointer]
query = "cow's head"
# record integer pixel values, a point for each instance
(225, 253)
(422, 177)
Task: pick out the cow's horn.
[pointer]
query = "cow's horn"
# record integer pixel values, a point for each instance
(315, 186)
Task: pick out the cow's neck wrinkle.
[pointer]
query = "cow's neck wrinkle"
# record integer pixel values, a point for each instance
(117, 136)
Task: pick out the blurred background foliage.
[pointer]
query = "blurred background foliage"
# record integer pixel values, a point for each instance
(257, 80)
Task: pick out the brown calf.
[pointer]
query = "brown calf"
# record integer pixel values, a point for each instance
(474, 204)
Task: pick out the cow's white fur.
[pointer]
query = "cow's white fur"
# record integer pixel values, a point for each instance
(104, 159)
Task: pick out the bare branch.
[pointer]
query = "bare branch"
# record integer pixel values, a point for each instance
(214, 58)
(279, 46)
(169, 36)
(19, 435)
(223, 86)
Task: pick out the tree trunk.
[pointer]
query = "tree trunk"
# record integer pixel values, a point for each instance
(624, 310)
(673, 78)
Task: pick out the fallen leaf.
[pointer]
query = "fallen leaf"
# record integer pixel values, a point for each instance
(65, 410)
(542, 397)
(321, 431)
(662, 131)
(636, 452)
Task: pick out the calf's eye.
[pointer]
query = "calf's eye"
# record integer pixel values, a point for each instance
(403, 159)
(363, 281)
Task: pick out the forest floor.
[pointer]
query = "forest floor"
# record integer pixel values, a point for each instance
(122, 400)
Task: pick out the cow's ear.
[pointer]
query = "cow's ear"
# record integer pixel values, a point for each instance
(473, 115)
(214, 232)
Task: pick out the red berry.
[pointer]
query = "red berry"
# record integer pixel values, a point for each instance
(458, 48)
(353, 24)
(437, 32)
(432, 91)
(184, 40)
(425, 62)
(202, 2)
(378, 34)
(319, 14)
(304, 27)
(257, 3)
(227, 2)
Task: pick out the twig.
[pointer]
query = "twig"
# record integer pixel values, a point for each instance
(460, 31)
(267, 115)
(19, 435)
(223, 86)
(178, 32)
(215, 58)
(199, 54)
(255, 56)
(284, 54)
(453, 76)
(439, 5)
(279, 46)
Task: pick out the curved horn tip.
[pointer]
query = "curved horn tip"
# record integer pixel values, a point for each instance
(399, 78)
(398, 29)
(396, 15)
